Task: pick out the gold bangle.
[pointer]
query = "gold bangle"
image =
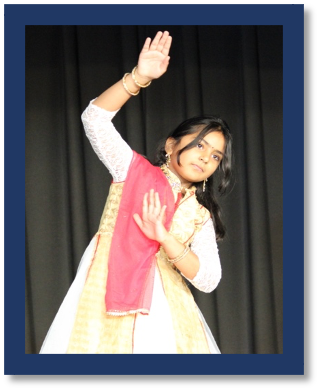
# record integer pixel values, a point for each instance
(126, 87)
(179, 257)
(136, 82)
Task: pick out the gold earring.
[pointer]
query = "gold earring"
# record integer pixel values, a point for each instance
(168, 160)
(204, 182)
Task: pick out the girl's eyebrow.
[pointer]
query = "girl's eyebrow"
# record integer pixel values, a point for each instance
(208, 144)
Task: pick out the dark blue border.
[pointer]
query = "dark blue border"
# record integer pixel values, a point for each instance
(292, 19)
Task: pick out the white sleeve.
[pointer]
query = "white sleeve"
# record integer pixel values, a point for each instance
(205, 247)
(107, 143)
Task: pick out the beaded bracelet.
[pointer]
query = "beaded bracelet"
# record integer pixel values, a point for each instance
(126, 87)
(179, 257)
(136, 82)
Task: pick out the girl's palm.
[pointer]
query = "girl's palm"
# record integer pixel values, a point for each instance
(151, 222)
(154, 59)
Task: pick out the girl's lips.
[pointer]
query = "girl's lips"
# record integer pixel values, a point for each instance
(197, 167)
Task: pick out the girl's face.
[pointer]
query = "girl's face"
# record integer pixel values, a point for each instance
(199, 162)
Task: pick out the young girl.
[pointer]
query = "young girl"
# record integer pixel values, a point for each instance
(159, 227)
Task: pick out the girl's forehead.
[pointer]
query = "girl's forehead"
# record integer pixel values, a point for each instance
(214, 139)
(213, 133)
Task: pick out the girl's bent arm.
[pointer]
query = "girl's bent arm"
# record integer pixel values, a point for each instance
(107, 143)
(205, 247)
(201, 266)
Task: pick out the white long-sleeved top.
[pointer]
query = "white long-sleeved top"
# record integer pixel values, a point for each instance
(116, 155)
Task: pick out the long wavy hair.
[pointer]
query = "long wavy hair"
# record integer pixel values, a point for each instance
(204, 125)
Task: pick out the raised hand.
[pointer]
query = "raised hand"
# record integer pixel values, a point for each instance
(154, 57)
(152, 63)
(153, 215)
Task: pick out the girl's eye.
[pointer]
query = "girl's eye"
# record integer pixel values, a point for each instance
(216, 157)
(200, 145)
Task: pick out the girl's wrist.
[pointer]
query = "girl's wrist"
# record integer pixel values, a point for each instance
(142, 79)
(167, 239)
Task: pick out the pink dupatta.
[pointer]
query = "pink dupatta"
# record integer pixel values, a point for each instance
(132, 260)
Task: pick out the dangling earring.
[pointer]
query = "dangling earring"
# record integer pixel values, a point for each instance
(204, 182)
(168, 160)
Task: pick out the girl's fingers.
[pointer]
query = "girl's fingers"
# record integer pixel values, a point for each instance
(156, 40)
(145, 206)
(162, 213)
(146, 45)
(151, 205)
(137, 220)
(167, 45)
(163, 41)
(151, 201)
(157, 204)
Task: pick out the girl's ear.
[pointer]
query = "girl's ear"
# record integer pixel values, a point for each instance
(170, 143)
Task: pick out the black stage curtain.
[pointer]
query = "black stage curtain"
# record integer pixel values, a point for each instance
(233, 71)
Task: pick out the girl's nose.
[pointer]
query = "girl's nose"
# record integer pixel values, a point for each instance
(204, 158)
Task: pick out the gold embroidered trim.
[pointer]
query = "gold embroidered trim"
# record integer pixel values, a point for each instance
(125, 313)
(174, 180)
